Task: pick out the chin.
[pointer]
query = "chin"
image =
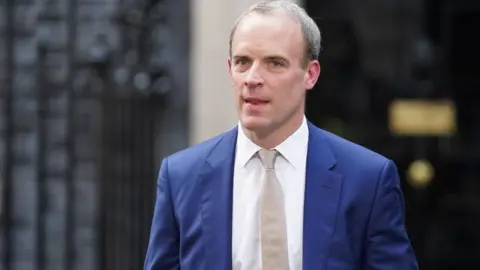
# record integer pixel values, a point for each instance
(254, 123)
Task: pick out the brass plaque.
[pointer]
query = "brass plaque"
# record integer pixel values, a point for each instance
(410, 117)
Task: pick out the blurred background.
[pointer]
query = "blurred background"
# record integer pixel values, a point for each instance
(94, 93)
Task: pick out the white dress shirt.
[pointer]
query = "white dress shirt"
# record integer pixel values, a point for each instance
(290, 169)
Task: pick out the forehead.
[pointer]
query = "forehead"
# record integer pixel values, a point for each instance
(273, 33)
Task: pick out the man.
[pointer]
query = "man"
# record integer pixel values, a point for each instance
(277, 192)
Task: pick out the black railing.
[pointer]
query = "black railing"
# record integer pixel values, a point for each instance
(7, 90)
(72, 39)
(129, 161)
(42, 111)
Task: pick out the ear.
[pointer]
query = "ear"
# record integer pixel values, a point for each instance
(312, 73)
(229, 62)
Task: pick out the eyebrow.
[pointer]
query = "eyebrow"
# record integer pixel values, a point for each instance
(240, 56)
(270, 57)
(276, 57)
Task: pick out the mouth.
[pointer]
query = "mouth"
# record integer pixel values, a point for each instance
(255, 101)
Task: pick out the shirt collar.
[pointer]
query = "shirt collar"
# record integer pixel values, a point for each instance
(293, 149)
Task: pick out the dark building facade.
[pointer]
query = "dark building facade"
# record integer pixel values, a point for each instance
(93, 94)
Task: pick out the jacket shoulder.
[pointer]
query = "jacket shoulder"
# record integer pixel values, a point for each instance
(363, 169)
(353, 154)
(193, 157)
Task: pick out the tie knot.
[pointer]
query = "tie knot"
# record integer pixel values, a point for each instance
(268, 158)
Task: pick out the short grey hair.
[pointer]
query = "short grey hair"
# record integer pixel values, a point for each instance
(311, 33)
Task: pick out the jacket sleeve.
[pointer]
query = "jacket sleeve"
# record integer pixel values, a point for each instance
(163, 248)
(387, 244)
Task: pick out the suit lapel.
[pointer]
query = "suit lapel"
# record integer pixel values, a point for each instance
(322, 194)
(217, 185)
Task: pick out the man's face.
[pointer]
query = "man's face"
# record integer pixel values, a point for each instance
(268, 74)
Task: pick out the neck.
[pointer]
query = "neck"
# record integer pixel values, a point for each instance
(269, 139)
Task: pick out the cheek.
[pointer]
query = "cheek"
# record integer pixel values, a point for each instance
(236, 85)
(291, 88)
(284, 96)
(237, 81)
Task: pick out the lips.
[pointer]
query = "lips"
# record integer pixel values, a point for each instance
(255, 101)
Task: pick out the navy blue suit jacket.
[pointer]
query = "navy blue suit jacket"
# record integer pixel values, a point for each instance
(353, 210)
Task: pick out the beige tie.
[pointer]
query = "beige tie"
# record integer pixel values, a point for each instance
(273, 227)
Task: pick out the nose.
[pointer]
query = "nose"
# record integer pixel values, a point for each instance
(254, 79)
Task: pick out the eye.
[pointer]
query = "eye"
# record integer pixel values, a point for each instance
(242, 62)
(275, 64)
